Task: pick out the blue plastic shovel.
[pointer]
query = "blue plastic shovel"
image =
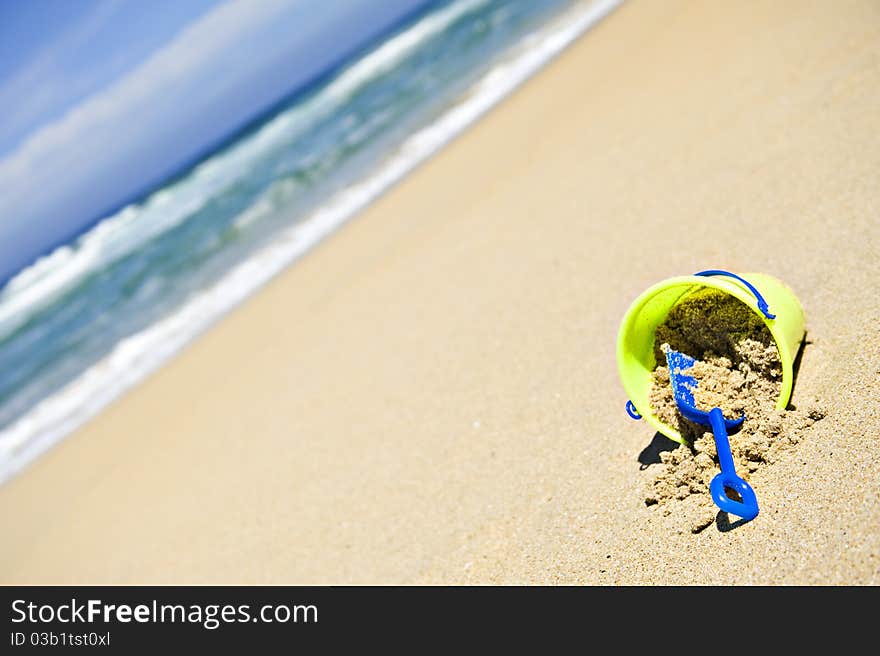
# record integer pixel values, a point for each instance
(683, 387)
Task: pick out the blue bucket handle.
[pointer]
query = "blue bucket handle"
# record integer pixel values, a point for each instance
(762, 304)
(631, 411)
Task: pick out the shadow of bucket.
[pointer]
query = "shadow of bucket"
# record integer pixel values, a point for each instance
(767, 296)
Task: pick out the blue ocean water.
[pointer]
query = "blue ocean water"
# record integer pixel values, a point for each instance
(91, 319)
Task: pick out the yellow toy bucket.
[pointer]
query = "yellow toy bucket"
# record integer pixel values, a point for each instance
(767, 296)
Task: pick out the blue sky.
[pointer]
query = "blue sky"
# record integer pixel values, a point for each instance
(100, 97)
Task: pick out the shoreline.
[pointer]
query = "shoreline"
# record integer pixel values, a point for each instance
(140, 355)
(430, 395)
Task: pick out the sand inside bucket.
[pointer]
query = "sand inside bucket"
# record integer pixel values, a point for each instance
(738, 370)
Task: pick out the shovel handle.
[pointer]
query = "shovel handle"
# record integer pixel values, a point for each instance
(748, 507)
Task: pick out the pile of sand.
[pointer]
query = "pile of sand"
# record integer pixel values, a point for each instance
(738, 370)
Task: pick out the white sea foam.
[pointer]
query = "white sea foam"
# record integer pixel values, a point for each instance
(138, 356)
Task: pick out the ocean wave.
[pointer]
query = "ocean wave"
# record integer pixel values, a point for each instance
(55, 274)
(389, 54)
(116, 236)
(139, 355)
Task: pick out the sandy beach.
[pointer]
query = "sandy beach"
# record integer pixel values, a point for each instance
(431, 395)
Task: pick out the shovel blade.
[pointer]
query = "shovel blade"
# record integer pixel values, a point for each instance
(683, 387)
